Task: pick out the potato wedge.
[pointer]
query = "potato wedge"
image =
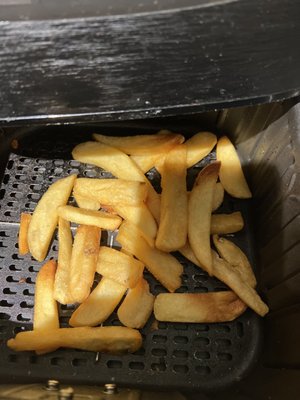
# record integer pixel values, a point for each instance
(142, 144)
(120, 267)
(23, 233)
(226, 223)
(45, 216)
(120, 165)
(99, 305)
(165, 268)
(90, 217)
(112, 191)
(199, 219)
(231, 253)
(141, 217)
(137, 306)
(107, 339)
(199, 146)
(218, 196)
(198, 307)
(62, 277)
(172, 231)
(231, 173)
(84, 261)
(86, 202)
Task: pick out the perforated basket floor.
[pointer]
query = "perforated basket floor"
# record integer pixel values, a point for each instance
(174, 355)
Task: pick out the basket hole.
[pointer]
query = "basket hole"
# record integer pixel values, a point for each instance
(180, 354)
(159, 339)
(3, 234)
(240, 329)
(11, 279)
(57, 361)
(29, 280)
(64, 320)
(10, 164)
(5, 303)
(223, 328)
(223, 342)
(8, 291)
(27, 292)
(200, 278)
(15, 256)
(201, 370)
(2, 193)
(12, 267)
(202, 341)
(136, 365)
(181, 369)
(180, 339)
(21, 318)
(200, 289)
(4, 316)
(6, 179)
(140, 352)
(180, 327)
(114, 364)
(202, 355)
(33, 269)
(182, 289)
(159, 352)
(3, 329)
(159, 367)
(79, 362)
(24, 304)
(224, 356)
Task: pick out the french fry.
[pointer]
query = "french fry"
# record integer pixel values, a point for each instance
(198, 307)
(218, 196)
(162, 142)
(111, 191)
(107, 339)
(141, 217)
(84, 261)
(231, 173)
(199, 219)
(45, 216)
(172, 231)
(62, 277)
(99, 305)
(165, 268)
(86, 202)
(119, 164)
(120, 267)
(235, 257)
(145, 163)
(188, 253)
(222, 224)
(137, 306)
(90, 217)
(199, 146)
(23, 233)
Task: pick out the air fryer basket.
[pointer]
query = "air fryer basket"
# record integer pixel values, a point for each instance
(184, 356)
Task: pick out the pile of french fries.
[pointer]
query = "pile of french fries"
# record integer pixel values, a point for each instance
(151, 227)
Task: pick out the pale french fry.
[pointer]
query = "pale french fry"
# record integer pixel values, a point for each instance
(199, 146)
(86, 202)
(145, 163)
(45, 216)
(141, 217)
(226, 223)
(62, 277)
(119, 164)
(99, 305)
(188, 253)
(120, 267)
(82, 216)
(231, 173)
(165, 268)
(23, 233)
(137, 306)
(172, 231)
(235, 257)
(107, 339)
(142, 144)
(112, 191)
(84, 261)
(199, 219)
(218, 196)
(198, 307)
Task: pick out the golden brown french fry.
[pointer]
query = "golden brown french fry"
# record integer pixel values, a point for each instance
(137, 306)
(226, 223)
(106, 339)
(145, 163)
(172, 231)
(188, 253)
(198, 307)
(86, 202)
(120, 267)
(100, 219)
(99, 305)
(199, 146)
(231, 173)
(23, 233)
(84, 261)
(119, 164)
(199, 219)
(112, 191)
(45, 308)
(165, 268)
(235, 257)
(142, 144)
(141, 217)
(45, 216)
(218, 196)
(62, 277)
